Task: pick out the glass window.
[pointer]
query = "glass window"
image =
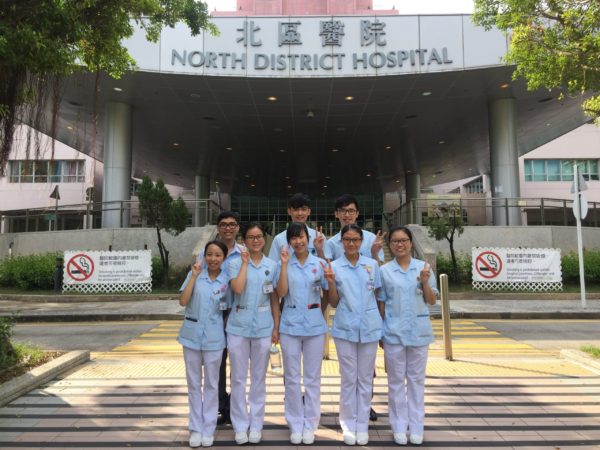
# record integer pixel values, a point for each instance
(26, 172)
(539, 170)
(553, 169)
(528, 164)
(14, 169)
(567, 170)
(593, 169)
(41, 171)
(54, 171)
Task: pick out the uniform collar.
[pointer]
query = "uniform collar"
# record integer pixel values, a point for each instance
(412, 265)
(221, 277)
(237, 249)
(260, 264)
(311, 260)
(346, 262)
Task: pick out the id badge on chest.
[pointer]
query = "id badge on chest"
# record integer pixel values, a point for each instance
(316, 286)
(267, 287)
(370, 285)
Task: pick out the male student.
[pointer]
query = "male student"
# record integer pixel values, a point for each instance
(299, 211)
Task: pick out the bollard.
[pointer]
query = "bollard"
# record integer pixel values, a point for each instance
(446, 316)
(58, 275)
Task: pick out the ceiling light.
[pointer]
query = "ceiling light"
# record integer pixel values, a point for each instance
(287, 178)
(324, 186)
(117, 89)
(504, 86)
(441, 142)
(368, 174)
(388, 147)
(397, 181)
(548, 124)
(272, 98)
(328, 177)
(175, 144)
(310, 114)
(335, 150)
(216, 182)
(229, 148)
(289, 187)
(69, 127)
(252, 185)
(349, 98)
(426, 93)
(282, 150)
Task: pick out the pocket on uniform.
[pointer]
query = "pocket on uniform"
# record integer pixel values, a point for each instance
(424, 328)
(373, 319)
(188, 330)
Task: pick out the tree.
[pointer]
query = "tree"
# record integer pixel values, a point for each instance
(553, 43)
(41, 42)
(446, 222)
(159, 210)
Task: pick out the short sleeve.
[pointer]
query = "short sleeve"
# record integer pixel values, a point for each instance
(382, 294)
(233, 268)
(377, 277)
(328, 250)
(275, 250)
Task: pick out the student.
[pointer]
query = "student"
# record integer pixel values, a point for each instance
(347, 212)
(353, 280)
(227, 230)
(302, 332)
(203, 294)
(252, 327)
(408, 286)
(299, 211)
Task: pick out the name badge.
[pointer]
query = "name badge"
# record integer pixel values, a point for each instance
(316, 286)
(222, 305)
(268, 288)
(370, 285)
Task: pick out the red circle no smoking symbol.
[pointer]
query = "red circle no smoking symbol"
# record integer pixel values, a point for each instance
(488, 265)
(80, 267)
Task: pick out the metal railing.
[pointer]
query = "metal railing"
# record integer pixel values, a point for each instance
(89, 215)
(497, 211)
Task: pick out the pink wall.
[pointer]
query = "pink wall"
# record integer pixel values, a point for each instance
(303, 8)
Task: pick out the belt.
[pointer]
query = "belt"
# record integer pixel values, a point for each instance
(191, 319)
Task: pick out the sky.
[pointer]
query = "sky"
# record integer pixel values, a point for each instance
(403, 6)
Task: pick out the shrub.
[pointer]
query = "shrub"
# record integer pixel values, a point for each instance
(8, 355)
(177, 274)
(463, 262)
(591, 263)
(28, 272)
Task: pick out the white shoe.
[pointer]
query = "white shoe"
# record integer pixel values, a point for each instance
(195, 439)
(241, 438)
(349, 437)
(207, 441)
(308, 437)
(362, 438)
(400, 438)
(416, 439)
(254, 437)
(296, 438)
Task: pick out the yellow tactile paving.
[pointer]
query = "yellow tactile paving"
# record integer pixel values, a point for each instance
(477, 351)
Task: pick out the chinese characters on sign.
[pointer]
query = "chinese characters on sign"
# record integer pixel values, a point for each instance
(524, 265)
(372, 36)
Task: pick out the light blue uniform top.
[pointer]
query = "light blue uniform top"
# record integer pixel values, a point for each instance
(281, 239)
(334, 248)
(202, 327)
(251, 313)
(357, 318)
(232, 255)
(406, 320)
(301, 315)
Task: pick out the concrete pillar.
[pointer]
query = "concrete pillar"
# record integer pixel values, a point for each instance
(201, 192)
(117, 165)
(504, 160)
(413, 193)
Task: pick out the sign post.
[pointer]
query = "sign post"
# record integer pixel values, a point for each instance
(579, 211)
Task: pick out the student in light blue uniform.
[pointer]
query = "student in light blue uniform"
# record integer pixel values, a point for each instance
(302, 332)
(299, 211)
(346, 211)
(227, 230)
(252, 326)
(203, 294)
(353, 281)
(408, 286)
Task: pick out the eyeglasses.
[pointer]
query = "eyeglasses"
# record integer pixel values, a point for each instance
(301, 209)
(351, 240)
(228, 225)
(254, 238)
(399, 241)
(349, 211)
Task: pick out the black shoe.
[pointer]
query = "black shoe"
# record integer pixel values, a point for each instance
(372, 415)
(223, 417)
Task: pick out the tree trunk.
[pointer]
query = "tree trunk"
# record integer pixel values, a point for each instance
(164, 257)
(453, 255)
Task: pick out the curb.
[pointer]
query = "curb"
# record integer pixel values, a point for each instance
(92, 317)
(91, 298)
(507, 315)
(46, 372)
(581, 358)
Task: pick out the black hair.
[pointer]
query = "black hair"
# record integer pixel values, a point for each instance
(247, 227)
(299, 200)
(295, 229)
(218, 244)
(399, 228)
(228, 215)
(351, 227)
(345, 200)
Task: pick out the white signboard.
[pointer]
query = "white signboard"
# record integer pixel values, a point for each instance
(516, 265)
(107, 268)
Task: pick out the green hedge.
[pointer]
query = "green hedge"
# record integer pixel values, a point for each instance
(28, 272)
(569, 262)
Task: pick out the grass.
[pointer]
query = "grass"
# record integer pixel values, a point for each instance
(24, 359)
(591, 350)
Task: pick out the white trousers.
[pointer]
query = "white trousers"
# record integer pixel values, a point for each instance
(406, 387)
(255, 352)
(357, 362)
(306, 351)
(203, 395)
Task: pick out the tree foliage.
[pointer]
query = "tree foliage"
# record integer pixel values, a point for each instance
(446, 222)
(42, 41)
(553, 43)
(160, 211)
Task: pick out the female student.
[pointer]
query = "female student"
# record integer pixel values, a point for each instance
(353, 280)
(408, 286)
(302, 332)
(252, 326)
(203, 294)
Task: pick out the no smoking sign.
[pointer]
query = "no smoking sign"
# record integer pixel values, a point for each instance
(488, 265)
(80, 267)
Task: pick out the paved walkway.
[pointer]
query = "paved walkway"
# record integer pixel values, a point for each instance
(498, 393)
